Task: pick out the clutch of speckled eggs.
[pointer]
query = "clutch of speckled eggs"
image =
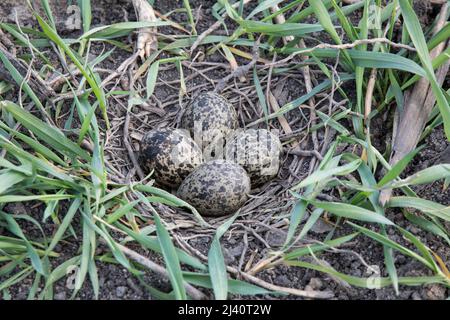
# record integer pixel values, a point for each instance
(211, 162)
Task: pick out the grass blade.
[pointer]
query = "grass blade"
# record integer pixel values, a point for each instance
(86, 14)
(45, 132)
(216, 264)
(171, 259)
(351, 212)
(87, 73)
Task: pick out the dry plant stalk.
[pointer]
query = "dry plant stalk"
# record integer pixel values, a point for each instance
(418, 104)
(214, 26)
(234, 66)
(193, 292)
(147, 41)
(283, 122)
(241, 70)
(280, 19)
(369, 94)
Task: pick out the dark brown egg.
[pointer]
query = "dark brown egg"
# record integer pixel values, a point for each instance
(216, 188)
(209, 117)
(171, 153)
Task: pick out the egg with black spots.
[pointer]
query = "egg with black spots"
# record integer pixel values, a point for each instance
(171, 153)
(209, 118)
(216, 188)
(257, 151)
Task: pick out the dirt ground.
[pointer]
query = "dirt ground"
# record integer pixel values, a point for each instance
(240, 244)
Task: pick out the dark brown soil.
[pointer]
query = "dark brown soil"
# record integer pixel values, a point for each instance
(117, 283)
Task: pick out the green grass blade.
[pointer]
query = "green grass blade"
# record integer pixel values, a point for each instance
(67, 220)
(321, 175)
(260, 94)
(153, 244)
(45, 132)
(48, 12)
(171, 259)
(170, 197)
(93, 276)
(216, 264)
(9, 179)
(368, 179)
(324, 18)
(285, 29)
(86, 14)
(87, 73)
(426, 206)
(297, 253)
(428, 226)
(15, 74)
(392, 244)
(151, 78)
(372, 283)
(398, 168)
(351, 212)
(234, 286)
(14, 228)
(428, 175)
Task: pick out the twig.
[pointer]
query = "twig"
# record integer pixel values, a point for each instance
(58, 80)
(244, 251)
(240, 71)
(133, 255)
(36, 83)
(146, 41)
(213, 27)
(280, 19)
(307, 153)
(283, 122)
(269, 286)
(126, 140)
(205, 33)
(341, 47)
(311, 103)
(301, 293)
(120, 70)
(369, 94)
(368, 106)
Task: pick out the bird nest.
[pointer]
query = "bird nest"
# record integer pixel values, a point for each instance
(262, 222)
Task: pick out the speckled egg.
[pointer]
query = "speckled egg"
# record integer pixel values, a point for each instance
(216, 188)
(257, 151)
(171, 153)
(209, 116)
